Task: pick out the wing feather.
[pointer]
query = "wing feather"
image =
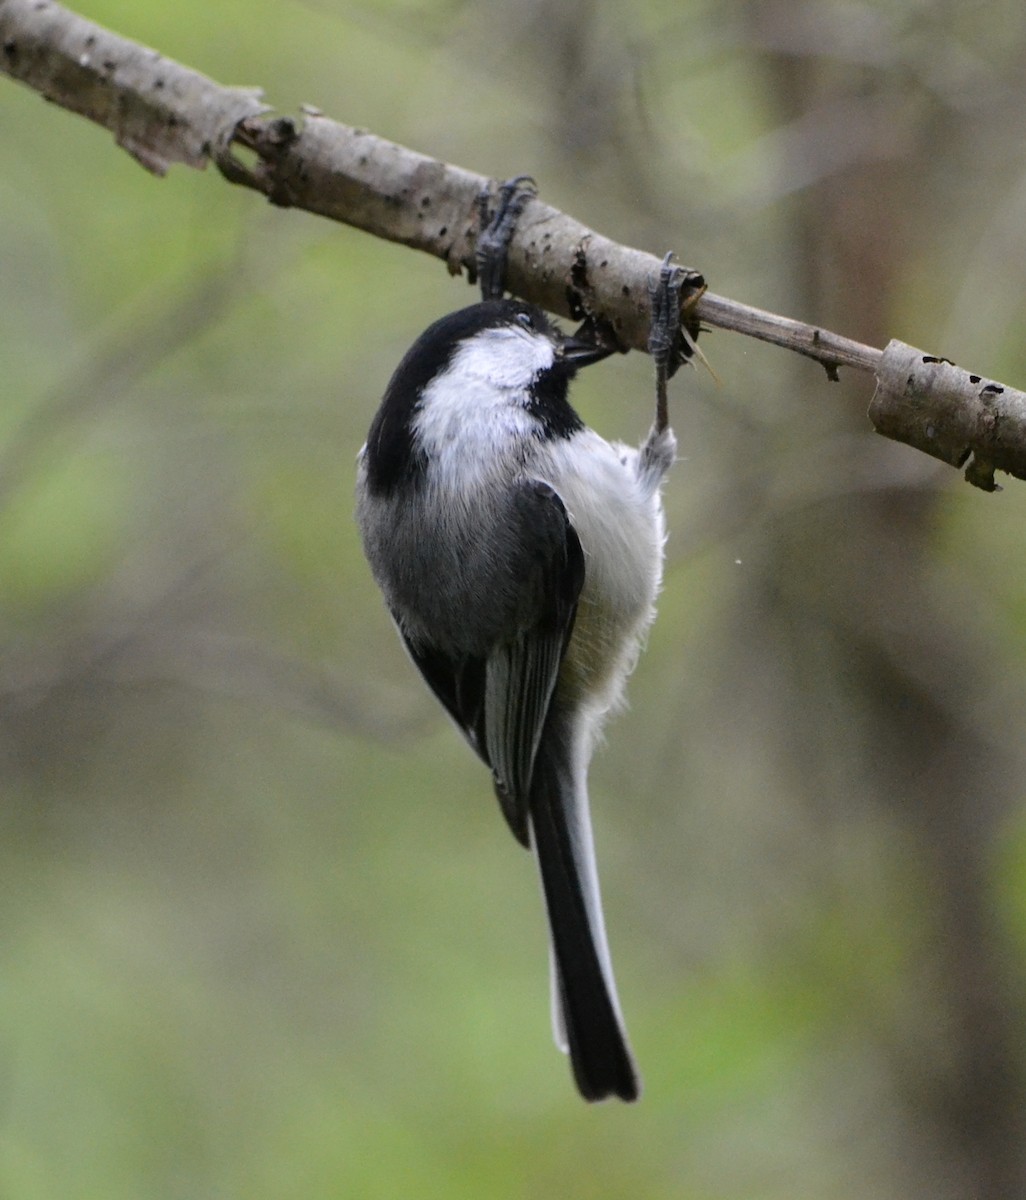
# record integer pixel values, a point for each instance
(501, 700)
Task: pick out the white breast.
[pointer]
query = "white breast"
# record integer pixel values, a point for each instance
(618, 517)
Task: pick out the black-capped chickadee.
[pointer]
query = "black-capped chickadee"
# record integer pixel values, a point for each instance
(520, 555)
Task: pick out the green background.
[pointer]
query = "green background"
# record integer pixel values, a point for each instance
(264, 932)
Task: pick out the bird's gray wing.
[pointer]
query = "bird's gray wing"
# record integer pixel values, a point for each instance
(501, 700)
(521, 672)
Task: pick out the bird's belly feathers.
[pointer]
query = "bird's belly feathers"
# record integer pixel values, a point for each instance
(620, 524)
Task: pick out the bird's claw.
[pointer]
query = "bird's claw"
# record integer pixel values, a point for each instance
(665, 341)
(498, 224)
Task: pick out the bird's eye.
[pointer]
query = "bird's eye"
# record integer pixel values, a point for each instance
(524, 319)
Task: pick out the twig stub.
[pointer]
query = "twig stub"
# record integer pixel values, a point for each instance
(960, 418)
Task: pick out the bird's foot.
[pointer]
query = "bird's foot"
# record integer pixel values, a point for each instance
(665, 343)
(498, 224)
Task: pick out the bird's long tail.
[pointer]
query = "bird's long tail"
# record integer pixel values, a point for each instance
(587, 1011)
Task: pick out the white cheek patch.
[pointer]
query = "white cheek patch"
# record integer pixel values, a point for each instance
(473, 414)
(466, 428)
(508, 357)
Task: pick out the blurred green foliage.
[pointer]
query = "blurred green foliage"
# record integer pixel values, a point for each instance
(264, 931)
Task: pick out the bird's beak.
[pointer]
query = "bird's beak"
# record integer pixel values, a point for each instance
(581, 352)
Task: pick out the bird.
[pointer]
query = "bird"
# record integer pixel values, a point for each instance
(519, 554)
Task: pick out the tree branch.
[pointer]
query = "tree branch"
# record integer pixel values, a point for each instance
(162, 113)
